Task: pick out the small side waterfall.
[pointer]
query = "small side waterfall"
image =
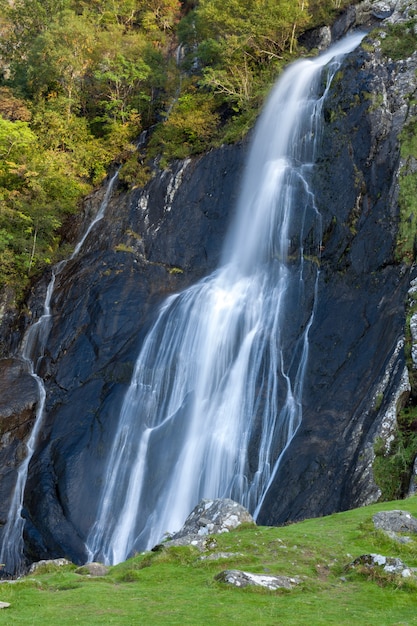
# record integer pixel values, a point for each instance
(32, 352)
(217, 391)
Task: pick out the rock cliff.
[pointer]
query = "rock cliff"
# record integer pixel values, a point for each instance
(160, 239)
(357, 377)
(150, 243)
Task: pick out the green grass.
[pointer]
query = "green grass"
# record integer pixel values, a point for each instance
(176, 587)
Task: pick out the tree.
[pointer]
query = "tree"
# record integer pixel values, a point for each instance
(120, 75)
(12, 108)
(160, 15)
(26, 20)
(59, 59)
(36, 191)
(237, 41)
(190, 126)
(15, 138)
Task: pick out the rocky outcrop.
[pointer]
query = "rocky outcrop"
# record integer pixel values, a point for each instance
(210, 517)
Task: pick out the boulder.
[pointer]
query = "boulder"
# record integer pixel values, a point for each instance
(387, 564)
(395, 521)
(241, 579)
(93, 569)
(48, 564)
(210, 517)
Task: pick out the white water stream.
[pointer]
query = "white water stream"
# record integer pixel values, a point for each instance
(32, 352)
(216, 394)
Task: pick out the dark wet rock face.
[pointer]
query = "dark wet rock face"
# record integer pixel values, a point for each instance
(152, 242)
(355, 341)
(18, 400)
(163, 238)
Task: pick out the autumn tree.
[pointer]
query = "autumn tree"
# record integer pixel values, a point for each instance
(59, 59)
(237, 41)
(81, 79)
(35, 195)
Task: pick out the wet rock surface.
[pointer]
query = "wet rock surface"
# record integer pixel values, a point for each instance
(18, 402)
(152, 242)
(361, 297)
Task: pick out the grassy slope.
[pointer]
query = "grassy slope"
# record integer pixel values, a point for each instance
(175, 587)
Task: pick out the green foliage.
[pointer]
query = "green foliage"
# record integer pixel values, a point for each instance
(399, 41)
(411, 310)
(158, 17)
(237, 126)
(13, 108)
(134, 172)
(323, 11)
(393, 465)
(125, 73)
(59, 58)
(26, 19)
(35, 193)
(83, 78)
(237, 41)
(190, 127)
(378, 401)
(407, 228)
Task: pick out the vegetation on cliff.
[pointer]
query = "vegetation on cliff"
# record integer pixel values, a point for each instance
(394, 462)
(178, 586)
(81, 80)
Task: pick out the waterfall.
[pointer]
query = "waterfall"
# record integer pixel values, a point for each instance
(32, 352)
(99, 215)
(217, 390)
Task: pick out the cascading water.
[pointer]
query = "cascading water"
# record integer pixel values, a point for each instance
(216, 394)
(32, 352)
